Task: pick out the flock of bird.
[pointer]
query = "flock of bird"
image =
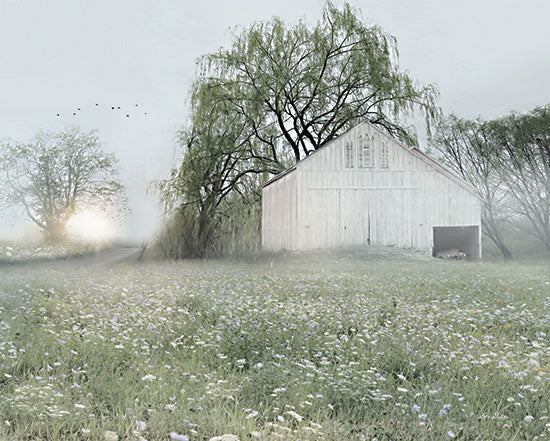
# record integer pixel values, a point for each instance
(97, 105)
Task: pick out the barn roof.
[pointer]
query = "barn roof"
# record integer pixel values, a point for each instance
(437, 166)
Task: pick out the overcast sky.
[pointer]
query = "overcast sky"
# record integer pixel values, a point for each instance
(487, 57)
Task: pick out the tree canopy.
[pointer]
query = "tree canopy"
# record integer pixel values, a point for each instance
(222, 166)
(300, 87)
(276, 95)
(57, 174)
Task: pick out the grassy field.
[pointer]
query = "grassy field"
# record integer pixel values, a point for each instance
(334, 346)
(13, 253)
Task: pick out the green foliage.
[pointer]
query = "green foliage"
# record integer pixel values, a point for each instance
(57, 174)
(300, 87)
(212, 198)
(178, 236)
(275, 96)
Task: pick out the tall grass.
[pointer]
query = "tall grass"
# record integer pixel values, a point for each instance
(321, 347)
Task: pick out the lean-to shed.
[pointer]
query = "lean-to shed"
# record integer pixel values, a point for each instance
(367, 188)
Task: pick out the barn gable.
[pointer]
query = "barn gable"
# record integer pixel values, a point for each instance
(366, 187)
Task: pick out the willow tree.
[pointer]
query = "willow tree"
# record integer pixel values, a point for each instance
(468, 148)
(216, 182)
(55, 175)
(276, 95)
(299, 87)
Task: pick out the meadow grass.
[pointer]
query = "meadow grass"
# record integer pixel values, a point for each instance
(16, 252)
(331, 346)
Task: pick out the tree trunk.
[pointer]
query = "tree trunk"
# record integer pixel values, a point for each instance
(506, 253)
(55, 231)
(491, 230)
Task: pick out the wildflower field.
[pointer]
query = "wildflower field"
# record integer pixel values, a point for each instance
(16, 253)
(309, 347)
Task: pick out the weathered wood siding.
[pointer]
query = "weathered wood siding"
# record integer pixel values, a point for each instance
(323, 204)
(279, 220)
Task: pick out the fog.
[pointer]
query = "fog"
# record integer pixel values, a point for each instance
(487, 58)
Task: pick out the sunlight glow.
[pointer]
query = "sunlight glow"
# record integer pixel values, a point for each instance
(92, 226)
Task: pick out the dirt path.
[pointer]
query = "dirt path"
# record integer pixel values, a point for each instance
(106, 258)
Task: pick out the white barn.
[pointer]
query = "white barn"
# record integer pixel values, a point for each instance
(367, 188)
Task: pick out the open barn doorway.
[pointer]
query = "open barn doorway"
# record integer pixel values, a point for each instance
(457, 242)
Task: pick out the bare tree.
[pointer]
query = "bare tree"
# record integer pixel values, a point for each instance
(523, 164)
(468, 148)
(57, 174)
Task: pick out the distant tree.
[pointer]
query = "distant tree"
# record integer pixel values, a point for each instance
(300, 87)
(57, 174)
(523, 163)
(468, 148)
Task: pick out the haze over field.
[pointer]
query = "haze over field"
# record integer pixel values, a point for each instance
(487, 58)
(350, 297)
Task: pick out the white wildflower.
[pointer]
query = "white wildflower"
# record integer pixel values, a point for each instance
(111, 436)
(294, 415)
(226, 437)
(177, 437)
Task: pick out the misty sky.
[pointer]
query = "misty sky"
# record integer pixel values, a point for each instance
(487, 58)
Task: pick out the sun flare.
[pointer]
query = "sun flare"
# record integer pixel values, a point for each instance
(89, 225)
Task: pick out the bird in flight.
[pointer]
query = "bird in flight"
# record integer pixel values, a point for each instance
(127, 115)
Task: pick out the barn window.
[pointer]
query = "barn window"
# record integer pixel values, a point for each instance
(350, 155)
(360, 152)
(384, 155)
(365, 156)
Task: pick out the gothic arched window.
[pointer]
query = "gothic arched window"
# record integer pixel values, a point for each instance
(349, 155)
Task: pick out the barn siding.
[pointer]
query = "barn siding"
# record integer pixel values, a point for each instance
(321, 204)
(279, 227)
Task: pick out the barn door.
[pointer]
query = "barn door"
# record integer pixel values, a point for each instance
(450, 241)
(354, 217)
(321, 221)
